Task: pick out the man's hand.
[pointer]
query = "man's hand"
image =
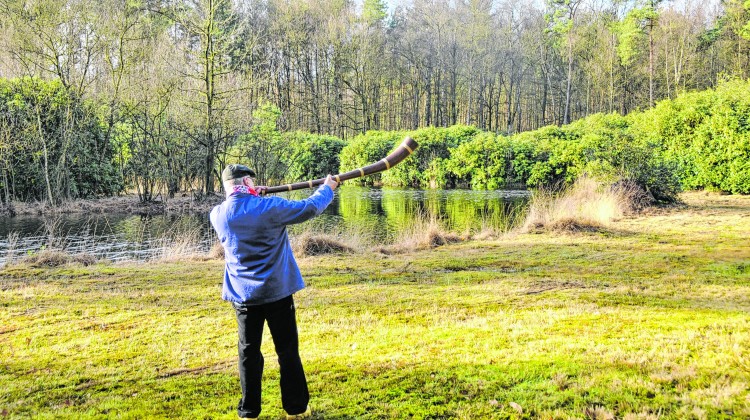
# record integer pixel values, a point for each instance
(261, 189)
(331, 182)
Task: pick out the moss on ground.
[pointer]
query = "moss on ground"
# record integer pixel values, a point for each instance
(650, 319)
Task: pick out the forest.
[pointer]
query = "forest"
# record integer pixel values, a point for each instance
(98, 98)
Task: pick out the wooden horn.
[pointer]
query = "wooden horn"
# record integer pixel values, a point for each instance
(407, 147)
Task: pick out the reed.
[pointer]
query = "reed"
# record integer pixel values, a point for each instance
(53, 231)
(500, 226)
(180, 244)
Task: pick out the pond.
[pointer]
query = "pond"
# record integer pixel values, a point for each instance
(378, 214)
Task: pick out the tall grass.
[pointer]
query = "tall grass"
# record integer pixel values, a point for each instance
(425, 232)
(53, 231)
(10, 254)
(497, 226)
(587, 205)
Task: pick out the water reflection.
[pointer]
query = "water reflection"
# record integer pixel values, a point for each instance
(385, 212)
(375, 213)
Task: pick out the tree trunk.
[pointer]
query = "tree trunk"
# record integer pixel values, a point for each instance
(209, 84)
(6, 188)
(566, 115)
(651, 62)
(45, 155)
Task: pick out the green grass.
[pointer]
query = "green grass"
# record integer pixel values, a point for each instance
(648, 320)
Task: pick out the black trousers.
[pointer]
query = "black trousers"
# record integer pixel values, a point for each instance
(283, 325)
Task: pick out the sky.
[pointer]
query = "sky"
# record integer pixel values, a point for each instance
(676, 4)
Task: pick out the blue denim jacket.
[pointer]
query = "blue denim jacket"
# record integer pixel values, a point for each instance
(260, 267)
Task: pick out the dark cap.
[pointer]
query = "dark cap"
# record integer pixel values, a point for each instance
(236, 171)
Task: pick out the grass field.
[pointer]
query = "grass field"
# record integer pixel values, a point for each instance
(648, 319)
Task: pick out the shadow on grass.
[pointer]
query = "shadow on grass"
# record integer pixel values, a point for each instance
(626, 298)
(322, 414)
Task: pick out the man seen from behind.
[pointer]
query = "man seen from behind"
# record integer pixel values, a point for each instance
(260, 278)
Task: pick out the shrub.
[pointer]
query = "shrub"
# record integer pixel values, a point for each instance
(80, 162)
(483, 162)
(706, 135)
(365, 149)
(698, 140)
(315, 156)
(428, 166)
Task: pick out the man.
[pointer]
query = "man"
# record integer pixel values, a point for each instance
(260, 277)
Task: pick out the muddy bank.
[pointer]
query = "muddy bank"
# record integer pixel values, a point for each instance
(125, 204)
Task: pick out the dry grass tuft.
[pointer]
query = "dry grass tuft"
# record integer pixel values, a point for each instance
(438, 238)
(309, 244)
(641, 416)
(635, 198)
(572, 225)
(585, 207)
(424, 233)
(486, 235)
(216, 252)
(561, 381)
(52, 258)
(598, 413)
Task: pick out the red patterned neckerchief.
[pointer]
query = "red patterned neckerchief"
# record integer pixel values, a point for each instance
(243, 189)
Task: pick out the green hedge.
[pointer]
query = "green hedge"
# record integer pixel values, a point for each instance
(426, 168)
(699, 140)
(549, 157)
(315, 155)
(707, 133)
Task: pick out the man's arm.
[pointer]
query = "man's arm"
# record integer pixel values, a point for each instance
(291, 212)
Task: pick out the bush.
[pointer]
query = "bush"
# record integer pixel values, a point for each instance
(428, 166)
(699, 140)
(555, 157)
(315, 155)
(706, 135)
(483, 163)
(368, 148)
